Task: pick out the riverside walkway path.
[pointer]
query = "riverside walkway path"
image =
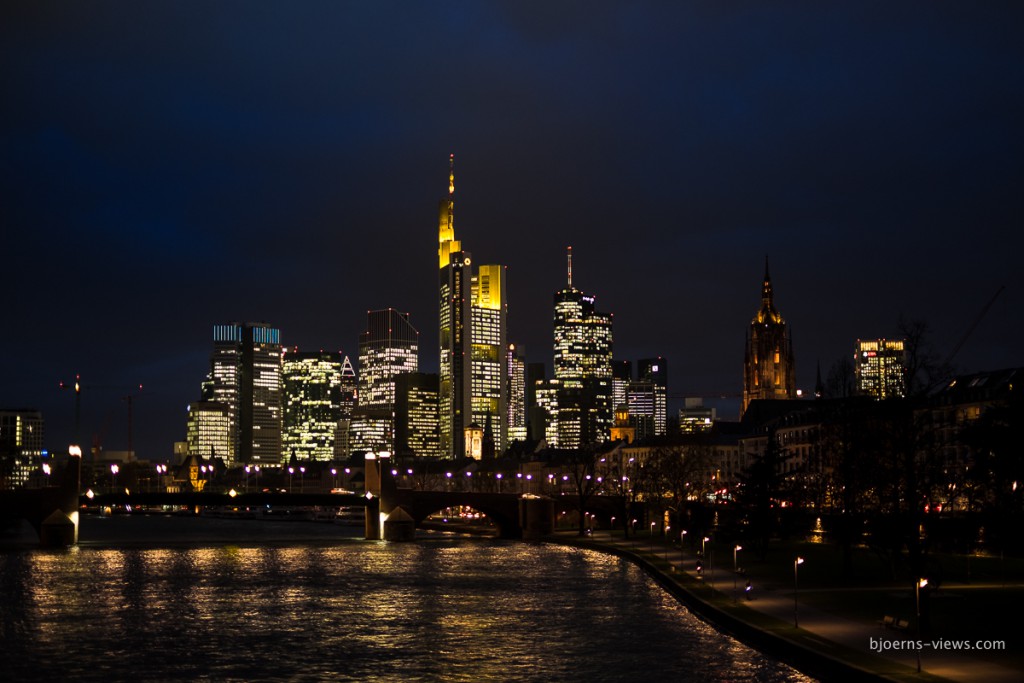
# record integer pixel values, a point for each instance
(825, 644)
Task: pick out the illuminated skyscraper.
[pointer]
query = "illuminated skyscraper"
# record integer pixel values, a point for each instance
(768, 366)
(489, 384)
(209, 429)
(349, 394)
(21, 446)
(245, 377)
(473, 311)
(583, 366)
(416, 426)
(389, 347)
(455, 320)
(655, 371)
(516, 393)
(313, 399)
(622, 375)
(880, 368)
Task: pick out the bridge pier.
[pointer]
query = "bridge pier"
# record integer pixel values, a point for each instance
(536, 517)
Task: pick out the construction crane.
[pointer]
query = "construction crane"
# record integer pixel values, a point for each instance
(78, 386)
(970, 330)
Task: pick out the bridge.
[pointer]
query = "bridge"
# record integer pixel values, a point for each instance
(391, 513)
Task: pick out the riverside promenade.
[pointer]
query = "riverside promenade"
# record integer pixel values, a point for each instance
(826, 645)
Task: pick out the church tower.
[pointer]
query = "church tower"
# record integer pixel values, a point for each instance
(768, 367)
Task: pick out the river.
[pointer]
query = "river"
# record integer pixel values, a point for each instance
(173, 599)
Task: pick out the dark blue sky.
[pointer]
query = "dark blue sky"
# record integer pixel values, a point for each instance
(169, 165)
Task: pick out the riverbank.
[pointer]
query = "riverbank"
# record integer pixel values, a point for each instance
(828, 645)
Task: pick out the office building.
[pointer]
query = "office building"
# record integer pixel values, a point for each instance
(622, 375)
(473, 311)
(768, 366)
(209, 430)
(516, 359)
(880, 368)
(312, 404)
(349, 397)
(388, 348)
(695, 418)
(654, 371)
(21, 446)
(416, 423)
(583, 366)
(245, 376)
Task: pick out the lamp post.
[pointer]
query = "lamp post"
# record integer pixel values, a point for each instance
(668, 540)
(735, 569)
(796, 587)
(113, 476)
(291, 471)
(921, 583)
(653, 524)
(682, 537)
(302, 480)
(161, 470)
(498, 477)
(334, 475)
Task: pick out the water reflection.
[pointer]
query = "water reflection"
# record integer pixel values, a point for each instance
(438, 609)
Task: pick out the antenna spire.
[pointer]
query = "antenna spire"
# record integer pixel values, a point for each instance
(451, 174)
(570, 267)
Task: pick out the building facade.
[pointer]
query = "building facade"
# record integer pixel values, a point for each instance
(209, 430)
(768, 366)
(516, 360)
(583, 366)
(388, 348)
(879, 367)
(312, 404)
(472, 319)
(21, 446)
(245, 376)
(416, 423)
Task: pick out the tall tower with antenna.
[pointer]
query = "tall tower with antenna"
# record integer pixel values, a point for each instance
(583, 366)
(455, 321)
(473, 312)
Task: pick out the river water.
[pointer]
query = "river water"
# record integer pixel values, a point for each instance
(161, 599)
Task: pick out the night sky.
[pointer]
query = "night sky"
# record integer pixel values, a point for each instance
(167, 166)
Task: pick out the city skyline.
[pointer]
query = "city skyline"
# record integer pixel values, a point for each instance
(160, 180)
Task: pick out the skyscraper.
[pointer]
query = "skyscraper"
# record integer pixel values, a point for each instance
(455, 296)
(583, 366)
(516, 393)
(416, 426)
(655, 371)
(312, 404)
(879, 365)
(473, 311)
(21, 446)
(768, 366)
(209, 429)
(349, 394)
(489, 367)
(245, 376)
(388, 348)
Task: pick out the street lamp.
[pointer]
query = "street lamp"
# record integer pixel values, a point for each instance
(653, 524)
(796, 587)
(498, 477)
(334, 474)
(682, 537)
(291, 471)
(113, 475)
(921, 583)
(302, 480)
(668, 541)
(735, 569)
